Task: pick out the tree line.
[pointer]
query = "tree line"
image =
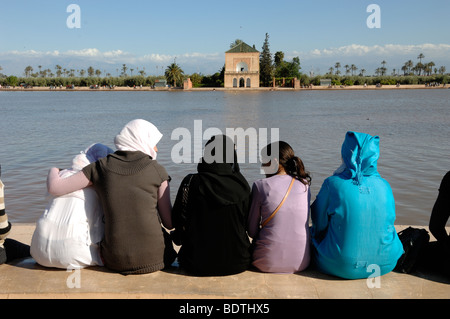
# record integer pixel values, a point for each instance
(216, 80)
(271, 66)
(408, 68)
(173, 75)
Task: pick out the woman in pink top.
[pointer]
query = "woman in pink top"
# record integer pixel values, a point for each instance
(282, 245)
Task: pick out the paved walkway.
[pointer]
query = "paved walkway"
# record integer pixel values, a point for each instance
(27, 279)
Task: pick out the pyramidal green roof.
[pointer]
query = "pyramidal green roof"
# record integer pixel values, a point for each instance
(242, 48)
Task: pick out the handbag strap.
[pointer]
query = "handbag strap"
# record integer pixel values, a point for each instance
(279, 206)
(184, 199)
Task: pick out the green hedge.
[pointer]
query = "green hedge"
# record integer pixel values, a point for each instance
(82, 81)
(215, 80)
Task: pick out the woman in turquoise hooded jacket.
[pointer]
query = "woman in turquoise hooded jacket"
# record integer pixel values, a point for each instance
(353, 216)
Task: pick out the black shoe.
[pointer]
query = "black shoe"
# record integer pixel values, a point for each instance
(15, 250)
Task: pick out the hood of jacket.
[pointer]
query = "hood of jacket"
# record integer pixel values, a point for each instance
(360, 153)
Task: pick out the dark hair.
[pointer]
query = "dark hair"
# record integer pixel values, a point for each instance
(291, 163)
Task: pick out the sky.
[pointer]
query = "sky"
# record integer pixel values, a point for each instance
(149, 35)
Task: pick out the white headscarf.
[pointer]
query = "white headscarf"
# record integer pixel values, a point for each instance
(139, 135)
(90, 155)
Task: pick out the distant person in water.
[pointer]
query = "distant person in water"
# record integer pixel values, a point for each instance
(69, 232)
(281, 242)
(134, 191)
(10, 249)
(353, 215)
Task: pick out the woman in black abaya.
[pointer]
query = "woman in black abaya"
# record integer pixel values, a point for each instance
(210, 222)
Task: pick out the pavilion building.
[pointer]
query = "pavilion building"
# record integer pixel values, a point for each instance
(242, 67)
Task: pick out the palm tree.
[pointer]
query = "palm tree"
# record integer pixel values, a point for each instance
(429, 67)
(347, 69)
(420, 57)
(124, 70)
(174, 74)
(353, 68)
(90, 71)
(338, 66)
(143, 71)
(404, 69)
(330, 70)
(407, 67)
(28, 71)
(58, 70)
(383, 69)
(420, 66)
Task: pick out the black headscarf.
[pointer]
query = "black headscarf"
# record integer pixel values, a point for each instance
(220, 178)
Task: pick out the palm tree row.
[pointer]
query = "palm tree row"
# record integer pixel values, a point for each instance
(408, 68)
(173, 73)
(125, 77)
(90, 72)
(348, 69)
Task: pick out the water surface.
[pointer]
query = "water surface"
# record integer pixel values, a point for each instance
(40, 130)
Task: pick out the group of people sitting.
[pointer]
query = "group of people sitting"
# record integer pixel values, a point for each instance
(113, 209)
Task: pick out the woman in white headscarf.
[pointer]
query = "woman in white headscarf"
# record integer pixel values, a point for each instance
(68, 233)
(135, 195)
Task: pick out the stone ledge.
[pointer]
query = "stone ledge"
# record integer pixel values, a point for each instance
(25, 279)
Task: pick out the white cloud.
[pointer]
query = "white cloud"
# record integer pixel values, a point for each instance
(368, 57)
(388, 50)
(14, 62)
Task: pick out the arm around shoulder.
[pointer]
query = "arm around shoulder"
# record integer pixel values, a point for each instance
(165, 205)
(58, 186)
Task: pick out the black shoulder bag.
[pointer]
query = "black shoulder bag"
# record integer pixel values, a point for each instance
(177, 234)
(414, 241)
